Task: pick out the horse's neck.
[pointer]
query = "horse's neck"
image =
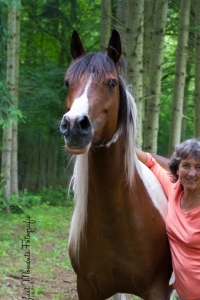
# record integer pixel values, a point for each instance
(107, 174)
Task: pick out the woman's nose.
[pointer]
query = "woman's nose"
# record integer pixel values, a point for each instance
(192, 172)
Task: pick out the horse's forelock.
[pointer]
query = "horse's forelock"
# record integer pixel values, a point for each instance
(97, 64)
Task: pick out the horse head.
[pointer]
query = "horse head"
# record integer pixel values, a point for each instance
(93, 96)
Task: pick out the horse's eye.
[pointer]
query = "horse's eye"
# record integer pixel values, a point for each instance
(112, 83)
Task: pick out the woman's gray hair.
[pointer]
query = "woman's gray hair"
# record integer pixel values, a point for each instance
(187, 148)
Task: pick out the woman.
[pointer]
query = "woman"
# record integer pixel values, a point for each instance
(182, 188)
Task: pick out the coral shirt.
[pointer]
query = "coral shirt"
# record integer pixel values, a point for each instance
(183, 230)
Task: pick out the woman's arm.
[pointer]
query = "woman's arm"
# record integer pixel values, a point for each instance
(158, 165)
(163, 162)
(142, 156)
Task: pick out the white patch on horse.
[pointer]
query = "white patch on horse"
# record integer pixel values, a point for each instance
(153, 187)
(80, 105)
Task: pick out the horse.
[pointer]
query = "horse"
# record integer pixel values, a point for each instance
(117, 241)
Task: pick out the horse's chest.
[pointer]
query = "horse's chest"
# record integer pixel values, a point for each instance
(102, 249)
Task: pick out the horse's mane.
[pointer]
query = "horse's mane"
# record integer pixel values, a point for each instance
(99, 64)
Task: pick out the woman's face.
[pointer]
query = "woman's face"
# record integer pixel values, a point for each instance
(189, 173)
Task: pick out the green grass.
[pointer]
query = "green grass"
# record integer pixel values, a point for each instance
(49, 258)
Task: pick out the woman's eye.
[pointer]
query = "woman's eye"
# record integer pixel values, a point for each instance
(112, 83)
(185, 166)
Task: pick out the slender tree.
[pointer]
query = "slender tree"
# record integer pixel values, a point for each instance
(149, 7)
(186, 101)
(155, 74)
(105, 24)
(121, 23)
(9, 145)
(197, 71)
(189, 78)
(2, 42)
(14, 151)
(10, 79)
(180, 73)
(134, 56)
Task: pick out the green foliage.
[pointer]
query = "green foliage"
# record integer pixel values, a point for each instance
(41, 98)
(8, 111)
(56, 197)
(49, 196)
(3, 203)
(25, 199)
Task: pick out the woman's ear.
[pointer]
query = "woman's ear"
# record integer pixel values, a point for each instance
(177, 172)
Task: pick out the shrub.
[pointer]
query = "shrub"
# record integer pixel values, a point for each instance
(56, 197)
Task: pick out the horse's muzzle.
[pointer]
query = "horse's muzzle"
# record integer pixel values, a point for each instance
(77, 132)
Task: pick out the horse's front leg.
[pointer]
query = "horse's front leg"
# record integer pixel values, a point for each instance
(158, 294)
(88, 288)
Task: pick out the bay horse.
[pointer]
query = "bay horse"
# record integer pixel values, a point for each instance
(117, 241)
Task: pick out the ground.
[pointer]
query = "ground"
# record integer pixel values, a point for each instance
(60, 287)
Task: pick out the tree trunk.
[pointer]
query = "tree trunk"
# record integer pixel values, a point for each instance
(149, 7)
(10, 80)
(2, 42)
(156, 60)
(14, 152)
(197, 72)
(134, 56)
(9, 147)
(105, 24)
(6, 163)
(180, 73)
(121, 24)
(185, 103)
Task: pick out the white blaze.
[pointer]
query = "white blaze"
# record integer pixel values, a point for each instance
(80, 105)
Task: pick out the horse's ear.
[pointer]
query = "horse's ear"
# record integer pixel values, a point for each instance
(77, 48)
(114, 46)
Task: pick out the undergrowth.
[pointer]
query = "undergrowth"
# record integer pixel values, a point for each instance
(50, 196)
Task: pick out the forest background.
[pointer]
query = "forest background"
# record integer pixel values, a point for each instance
(161, 49)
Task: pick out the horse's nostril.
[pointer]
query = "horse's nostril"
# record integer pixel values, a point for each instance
(65, 125)
(85, 124)
(64, 128)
